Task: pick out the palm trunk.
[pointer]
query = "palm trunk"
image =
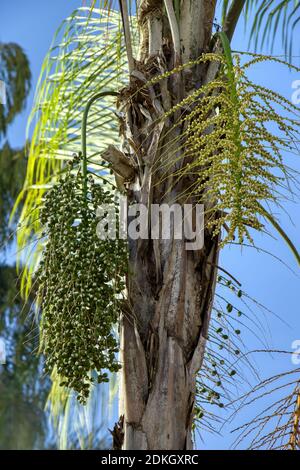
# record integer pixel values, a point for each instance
(170, 289)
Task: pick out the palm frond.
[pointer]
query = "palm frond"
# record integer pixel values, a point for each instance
(269, 17)
(23, 423)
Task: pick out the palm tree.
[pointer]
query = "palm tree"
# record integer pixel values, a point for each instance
(192, 128)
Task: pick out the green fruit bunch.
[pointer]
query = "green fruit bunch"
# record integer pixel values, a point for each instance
(81, 281)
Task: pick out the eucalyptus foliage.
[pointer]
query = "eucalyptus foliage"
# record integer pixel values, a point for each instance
(87, 56)
(236, 135)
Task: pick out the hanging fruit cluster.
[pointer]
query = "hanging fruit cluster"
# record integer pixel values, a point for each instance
(81, 280)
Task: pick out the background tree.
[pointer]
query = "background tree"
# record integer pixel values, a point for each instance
(186, 113)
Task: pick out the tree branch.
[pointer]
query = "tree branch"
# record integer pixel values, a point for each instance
(232, 17)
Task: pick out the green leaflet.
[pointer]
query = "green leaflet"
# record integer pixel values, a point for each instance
(283, 234)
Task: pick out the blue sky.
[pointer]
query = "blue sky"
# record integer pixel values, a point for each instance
(31, 24)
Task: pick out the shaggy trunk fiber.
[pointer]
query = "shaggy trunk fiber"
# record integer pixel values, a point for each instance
(170, 289)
